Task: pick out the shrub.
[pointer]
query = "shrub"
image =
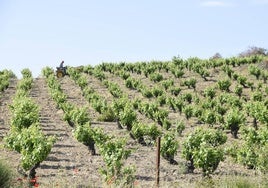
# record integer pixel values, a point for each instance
(207, 158)
(169, 147)
(234, 119)
(224, 84)
(113, 152)
(175, 90)
(31, 143)
(188, 111)
(209, 92)
(127, 117)
(253, 151)
(141, 131)
(108, 115)
(5, 175)
(24, 112)
(238, 90)
(156, 77)
(190, 83)
(180, 126)
(85, 134)
(201, 149)
(254, 70)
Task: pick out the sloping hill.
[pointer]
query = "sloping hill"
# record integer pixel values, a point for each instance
(70, 163)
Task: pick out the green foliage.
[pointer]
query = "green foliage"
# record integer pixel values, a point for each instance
(234, 119)
(58, 96)
(242, 80)
(5, 76)
(24, 113)
(162, 100)
(258, 111)
(188, 97)
(209, 92)
(145, 134)
(25, 84)
(118, 105)
(264, 76)
(178, 73)
(169, 147)
(228, 70)
(25, 135)
(175, 90)
(156, 91)
(201, 149)
(132, 83)
(147, 92)
(203, 73)
(88, 69)
(115, 89)
(47, 71)
(224, 84)
(180, 126)
(99, 105)
(238, 90)
(108, 115)
(80, 115)
(26, 73)
(210, 117)
(31, 143)
(166, 124)
(207, 158)
(188, 111)
(253, 151)
(113, 152)
(156, 77)
(85, 134)
(257, 96)
(82, 82)
(128, 116)
(167, 83)
(254, 70)
(100, 137)
(74, 115)
(190, 83)
(124, 75)
(5, 175)
(99, 74)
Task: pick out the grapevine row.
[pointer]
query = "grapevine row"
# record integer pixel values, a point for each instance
(26, 136)
(111, 149)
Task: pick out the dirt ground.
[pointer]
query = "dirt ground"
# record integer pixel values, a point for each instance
(70, 164)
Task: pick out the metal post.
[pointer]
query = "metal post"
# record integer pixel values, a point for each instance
(158, 160)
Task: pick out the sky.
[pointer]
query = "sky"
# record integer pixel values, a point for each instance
(35, 33)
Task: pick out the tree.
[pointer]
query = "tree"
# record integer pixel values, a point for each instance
(253, 50)
(216, 56)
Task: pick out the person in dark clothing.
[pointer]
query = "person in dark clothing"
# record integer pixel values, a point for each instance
(61, 64)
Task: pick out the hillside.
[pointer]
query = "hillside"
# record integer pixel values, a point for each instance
(197, 84)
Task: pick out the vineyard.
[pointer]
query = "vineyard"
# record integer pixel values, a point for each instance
(98, 125)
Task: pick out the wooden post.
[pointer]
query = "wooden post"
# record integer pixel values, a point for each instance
(158, 160)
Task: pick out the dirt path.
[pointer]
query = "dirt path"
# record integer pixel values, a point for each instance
(69, 162)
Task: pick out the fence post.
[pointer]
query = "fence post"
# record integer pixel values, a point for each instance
(158, 160)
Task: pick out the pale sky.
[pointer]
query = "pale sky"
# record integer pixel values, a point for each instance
(39, 33)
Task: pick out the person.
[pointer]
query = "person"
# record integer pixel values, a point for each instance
(61, 64)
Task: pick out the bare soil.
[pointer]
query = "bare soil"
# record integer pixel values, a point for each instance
(70, 164)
